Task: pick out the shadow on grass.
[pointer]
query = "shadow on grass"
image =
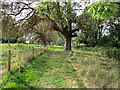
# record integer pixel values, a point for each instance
(30, 72)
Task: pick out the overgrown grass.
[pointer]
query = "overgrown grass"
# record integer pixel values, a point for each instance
(50, 70)
(20, 52)
(110, 52)
(94, 65)
(58, 69)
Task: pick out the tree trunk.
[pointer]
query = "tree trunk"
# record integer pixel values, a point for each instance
(44, 43)
(8, 42)
(68, 44)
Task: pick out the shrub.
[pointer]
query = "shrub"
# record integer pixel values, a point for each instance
(113, 53)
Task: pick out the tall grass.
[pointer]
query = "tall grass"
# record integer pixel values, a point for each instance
(96, 67)
(21, 53)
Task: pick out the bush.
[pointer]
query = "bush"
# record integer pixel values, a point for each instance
(113, 53)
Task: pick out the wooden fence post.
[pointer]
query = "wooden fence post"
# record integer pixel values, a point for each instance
(9, 60)
(33, 52)
(44, 48)
(47, 47)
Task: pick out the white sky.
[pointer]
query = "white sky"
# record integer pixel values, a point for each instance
(24, 12)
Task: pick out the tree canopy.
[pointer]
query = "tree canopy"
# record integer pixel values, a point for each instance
(103, 10)
(65, 17)
(62, 15)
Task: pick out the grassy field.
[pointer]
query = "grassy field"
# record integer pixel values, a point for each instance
(83, 68)
(20, 54)
(96, 68)
(50, 70)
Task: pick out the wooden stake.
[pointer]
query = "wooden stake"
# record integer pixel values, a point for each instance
(33, 52)
(9, 60)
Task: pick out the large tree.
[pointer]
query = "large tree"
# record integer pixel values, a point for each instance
(62, 15)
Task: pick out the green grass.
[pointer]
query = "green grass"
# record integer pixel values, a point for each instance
(50, 70)
(59, 69)
(99, 70)
(20, 52)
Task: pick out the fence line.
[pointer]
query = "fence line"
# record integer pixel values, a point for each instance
(33, 52)
(9, 60)
(21, 58)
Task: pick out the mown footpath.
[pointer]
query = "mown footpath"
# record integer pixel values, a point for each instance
(50, 70)
(83, 68)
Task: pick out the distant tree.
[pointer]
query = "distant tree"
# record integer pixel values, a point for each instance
(113, 37)
(48, 38)
(10, 31)
(92, 28)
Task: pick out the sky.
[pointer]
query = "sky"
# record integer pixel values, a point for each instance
(24, 12)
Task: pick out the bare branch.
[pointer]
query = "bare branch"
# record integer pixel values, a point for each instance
(27, 5)
(27, 17)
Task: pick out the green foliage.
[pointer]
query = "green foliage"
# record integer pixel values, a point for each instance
(48, 9)
(11, 85)
(53, 15)
(107, 41)
(43, 10)
(113, 53)
(89, 38)
(98, 34)
(111, 39)
(103, 10)
(85, 21)
(10, 31)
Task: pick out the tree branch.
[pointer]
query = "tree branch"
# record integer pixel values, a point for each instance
(56, 27)
(74, 35)
(18, 7)
(74, 30)
(27, 17)
(27, 5)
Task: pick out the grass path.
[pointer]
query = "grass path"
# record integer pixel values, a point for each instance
(58, 69)
(50, 70)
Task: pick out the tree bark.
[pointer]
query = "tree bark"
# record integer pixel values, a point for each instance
(44, 43)
(68, 44)
(8, 42)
